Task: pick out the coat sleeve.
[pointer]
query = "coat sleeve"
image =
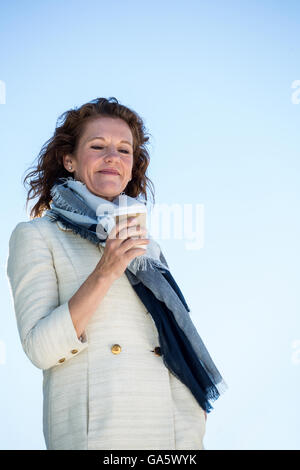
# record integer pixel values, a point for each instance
(46, 329)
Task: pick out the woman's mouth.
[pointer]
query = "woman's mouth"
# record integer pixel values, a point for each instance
(106, 172)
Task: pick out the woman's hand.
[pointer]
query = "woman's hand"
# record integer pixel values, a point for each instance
(120, 248)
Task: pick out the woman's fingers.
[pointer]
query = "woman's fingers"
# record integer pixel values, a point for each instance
(121, 246)
(133, 252)
(131, 232)
(125, 230)
(127, 245)
(113, 234)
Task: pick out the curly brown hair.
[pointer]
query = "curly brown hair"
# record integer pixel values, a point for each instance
(69, 127)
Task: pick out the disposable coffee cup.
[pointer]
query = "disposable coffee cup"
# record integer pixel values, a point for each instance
(139, 211)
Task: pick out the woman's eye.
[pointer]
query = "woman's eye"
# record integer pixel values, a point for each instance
(99, 148)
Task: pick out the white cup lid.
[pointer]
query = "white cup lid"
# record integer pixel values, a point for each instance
(138, 208)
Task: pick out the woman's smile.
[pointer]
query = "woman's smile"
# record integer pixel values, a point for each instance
(108, 173)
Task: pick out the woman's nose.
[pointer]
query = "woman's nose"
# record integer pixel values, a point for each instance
(112, 153)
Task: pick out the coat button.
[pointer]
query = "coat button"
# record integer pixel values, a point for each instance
(74, 351)
(157, 351)
(62, 360)
(116, 349)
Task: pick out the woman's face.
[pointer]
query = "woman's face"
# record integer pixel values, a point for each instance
(106, 143)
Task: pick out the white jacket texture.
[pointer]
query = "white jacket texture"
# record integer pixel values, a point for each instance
(92, 398)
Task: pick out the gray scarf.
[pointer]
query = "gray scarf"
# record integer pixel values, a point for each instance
(183, 351)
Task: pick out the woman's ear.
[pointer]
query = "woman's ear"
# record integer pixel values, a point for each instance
(68, 162)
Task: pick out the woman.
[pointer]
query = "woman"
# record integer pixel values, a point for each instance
(123, 366)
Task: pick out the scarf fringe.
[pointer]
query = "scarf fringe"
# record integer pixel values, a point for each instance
(211, 394)
(59, 201)
(221, 387)
(143, 262)
(83, 232)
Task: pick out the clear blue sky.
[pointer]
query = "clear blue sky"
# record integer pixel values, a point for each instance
(212, 81)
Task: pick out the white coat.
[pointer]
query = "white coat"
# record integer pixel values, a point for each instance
(92, 398)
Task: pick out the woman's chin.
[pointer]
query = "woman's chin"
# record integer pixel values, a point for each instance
(104, 193)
